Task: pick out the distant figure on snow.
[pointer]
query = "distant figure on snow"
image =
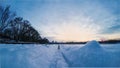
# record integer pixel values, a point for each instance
(58, 47)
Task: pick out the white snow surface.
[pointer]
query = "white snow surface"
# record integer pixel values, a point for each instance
(92, 54)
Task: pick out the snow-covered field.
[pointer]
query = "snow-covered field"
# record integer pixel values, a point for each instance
(91, 54)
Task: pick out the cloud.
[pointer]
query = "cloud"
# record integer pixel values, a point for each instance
(113, 28)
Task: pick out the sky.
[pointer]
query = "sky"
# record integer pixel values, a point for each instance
(71, 20)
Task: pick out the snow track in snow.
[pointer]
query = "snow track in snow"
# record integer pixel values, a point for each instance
(58, 61)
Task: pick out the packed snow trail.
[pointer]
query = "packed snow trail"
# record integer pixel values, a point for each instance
(58, 61)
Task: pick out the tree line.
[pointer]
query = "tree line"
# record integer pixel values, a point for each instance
(16, 28)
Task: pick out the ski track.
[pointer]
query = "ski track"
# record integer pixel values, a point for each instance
(58, 61)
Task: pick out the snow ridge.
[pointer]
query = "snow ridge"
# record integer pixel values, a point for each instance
(91, 55)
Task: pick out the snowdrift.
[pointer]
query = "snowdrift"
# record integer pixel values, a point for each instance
(26, 56)
(91, 55)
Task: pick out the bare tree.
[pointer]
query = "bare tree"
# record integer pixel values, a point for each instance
(16, 28)
(5, 18)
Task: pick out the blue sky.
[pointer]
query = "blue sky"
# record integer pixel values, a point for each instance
(71, 20)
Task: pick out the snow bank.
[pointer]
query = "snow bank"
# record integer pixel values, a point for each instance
(26, 56)
(92, 44)
(91, 55)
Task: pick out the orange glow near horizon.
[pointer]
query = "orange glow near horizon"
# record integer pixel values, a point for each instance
(74, 33)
